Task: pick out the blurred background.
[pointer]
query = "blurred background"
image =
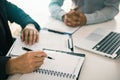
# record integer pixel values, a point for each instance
(38, 10)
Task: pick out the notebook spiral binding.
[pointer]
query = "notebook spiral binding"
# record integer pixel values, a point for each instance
(55, 73)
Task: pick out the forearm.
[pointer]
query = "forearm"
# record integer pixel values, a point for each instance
(103, 15)
(15, 14)
(56, 10)
(11, 67)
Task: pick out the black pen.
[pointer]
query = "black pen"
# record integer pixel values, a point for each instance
(27, 49)
(54, 31)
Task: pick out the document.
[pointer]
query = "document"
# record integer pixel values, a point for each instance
(64, 66)
(46, 40)
(61, 63)
(60, 26)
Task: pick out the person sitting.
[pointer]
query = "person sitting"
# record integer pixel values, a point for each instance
(85, 11)
(27, 62)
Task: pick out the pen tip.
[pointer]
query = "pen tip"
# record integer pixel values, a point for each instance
(49, 57)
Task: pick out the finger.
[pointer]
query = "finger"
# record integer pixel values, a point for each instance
(38, 53)
(22, 37)
(73, 24)
(67, 22)
(35, 36)
(70, 22)
(72, 12)
(38, 59)
(30, 37)
(77, 13)
(38, 64)
(26, 33)
(73, 17)
(69, 15)
(81, 20)
(76, 18)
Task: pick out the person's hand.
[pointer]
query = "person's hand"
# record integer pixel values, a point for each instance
(25, 63)
(74, 18)
(30, 35)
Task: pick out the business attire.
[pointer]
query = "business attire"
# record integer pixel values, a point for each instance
(9, 11)
(96, 11)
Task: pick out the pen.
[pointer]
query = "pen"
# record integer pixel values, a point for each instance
(27, 49)
(72, 53)
(70, 44)
(54, 31)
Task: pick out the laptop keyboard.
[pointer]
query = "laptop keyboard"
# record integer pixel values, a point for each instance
(109, 44)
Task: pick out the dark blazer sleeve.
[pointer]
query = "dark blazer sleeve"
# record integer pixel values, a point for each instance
(3, 61)
(17, 15)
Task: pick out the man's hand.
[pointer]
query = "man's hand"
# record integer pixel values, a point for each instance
(30, 35)
(25, 63)
(74, 18)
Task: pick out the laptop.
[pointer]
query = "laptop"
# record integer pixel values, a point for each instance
(103, 42)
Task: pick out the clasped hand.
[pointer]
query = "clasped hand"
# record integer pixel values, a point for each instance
(74, 18)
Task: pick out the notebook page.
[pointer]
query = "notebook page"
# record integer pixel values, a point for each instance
(62, 63)
(59, 26)
(46, 40)
(35, 76)
(78, 66)
(54, 41)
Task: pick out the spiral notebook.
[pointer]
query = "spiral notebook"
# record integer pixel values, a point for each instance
(63, 66)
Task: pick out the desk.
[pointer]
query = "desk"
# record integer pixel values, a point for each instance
(95, 67)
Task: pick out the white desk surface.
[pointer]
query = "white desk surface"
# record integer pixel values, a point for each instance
(95, 67)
